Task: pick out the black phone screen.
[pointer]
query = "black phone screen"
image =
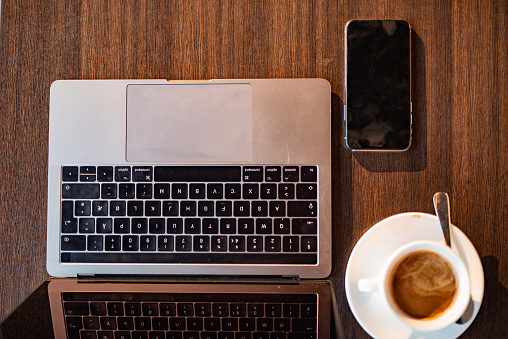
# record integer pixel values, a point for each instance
(378, 85)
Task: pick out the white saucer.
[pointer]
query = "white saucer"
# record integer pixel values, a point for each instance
(373, 249)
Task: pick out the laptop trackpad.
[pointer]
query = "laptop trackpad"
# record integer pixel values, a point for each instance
(189, 122)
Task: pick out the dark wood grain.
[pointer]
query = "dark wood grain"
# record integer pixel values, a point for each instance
(460, 88)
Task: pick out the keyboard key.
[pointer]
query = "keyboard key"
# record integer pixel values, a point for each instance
(69, 223)
(112, 243)
(142, 173)
(281, 226)
(254, 244)
(290, 244)
(69, 173)
(139, 225)
(175, 225)
(165, 243)
(126, 191)
(150, 309)
(73, 243)
(170, 208)
(219, 244)
(97, 308)
(309, 173)
(132, 308)
(185, 309)
(210, 226)
(252, 173)
(241, 209)
(237, 244)
(122, 225)
(143, 323)
(268, 191)
(192, 226)
(183, 243)
(125, 323)
(115, 309)
(197, 191)
(206, 209)
(302, 208)
(161, 191)
(215, 191)
(122, 173)
(246, 226)
(91, 323)
(87, 173)
(157, 225)
(152, 208)
(82, 208)
(95, 242)
(188, 208)
(144, 191)
(104, 225)
(304, 325)
(309, 244)
(228, 226)
(223, 208)
(99, 208)
(291, 173)
(286, 191)
(198, 173)
(259, 209)
(263, 226)
(105, 173)
(147, 243)
(117, 208)
(168, 309)
(86, 225)
(160, 324)
(201, 243)
(306, 191)
(304, 226)
(233, 191)
(76, 308)
(272, 244)
(250, 191)
(81, 191)
(130, 243)
(273, 173)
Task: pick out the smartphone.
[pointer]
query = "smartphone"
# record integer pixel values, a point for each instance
(377, 110)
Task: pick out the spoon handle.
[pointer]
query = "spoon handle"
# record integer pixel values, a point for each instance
(442, 207)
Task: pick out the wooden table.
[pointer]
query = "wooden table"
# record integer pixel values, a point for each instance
(460, 111)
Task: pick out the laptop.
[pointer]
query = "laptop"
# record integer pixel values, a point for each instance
(162, 309)
(210, 178)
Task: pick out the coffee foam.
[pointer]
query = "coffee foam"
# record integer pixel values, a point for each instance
(423, 284)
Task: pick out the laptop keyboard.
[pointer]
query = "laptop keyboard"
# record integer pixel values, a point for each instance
(190, 214)
(190, 316)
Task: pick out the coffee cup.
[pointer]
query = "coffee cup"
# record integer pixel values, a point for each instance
(424, 284)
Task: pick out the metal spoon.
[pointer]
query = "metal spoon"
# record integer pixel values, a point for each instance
(442, 207)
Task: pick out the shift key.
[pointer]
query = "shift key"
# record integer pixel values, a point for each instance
(81, 191)
(302, 209)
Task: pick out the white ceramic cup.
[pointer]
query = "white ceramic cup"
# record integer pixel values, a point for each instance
(381, 284)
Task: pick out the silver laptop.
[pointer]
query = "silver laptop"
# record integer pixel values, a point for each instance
(192, 309)
(197, 178)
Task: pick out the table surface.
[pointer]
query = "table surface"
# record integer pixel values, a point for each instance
(460, 111)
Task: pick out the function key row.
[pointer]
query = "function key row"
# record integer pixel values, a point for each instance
(189, 173)
(189, 309)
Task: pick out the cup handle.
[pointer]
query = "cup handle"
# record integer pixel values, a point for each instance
(368, 284)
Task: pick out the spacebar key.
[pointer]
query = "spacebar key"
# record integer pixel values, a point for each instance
(198, 173)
